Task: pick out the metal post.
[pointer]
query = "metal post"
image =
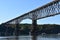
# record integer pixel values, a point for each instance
(34, 30)
(17, 30)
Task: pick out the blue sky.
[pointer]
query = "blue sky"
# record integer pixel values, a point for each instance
(10, 9)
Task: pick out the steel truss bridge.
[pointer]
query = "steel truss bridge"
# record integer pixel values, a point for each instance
(48, 10)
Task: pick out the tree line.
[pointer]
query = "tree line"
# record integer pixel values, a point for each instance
(25, 29)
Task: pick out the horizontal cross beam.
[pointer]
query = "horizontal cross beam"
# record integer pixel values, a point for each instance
(50, 9)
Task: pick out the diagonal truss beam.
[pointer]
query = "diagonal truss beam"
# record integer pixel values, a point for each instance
(48, 10)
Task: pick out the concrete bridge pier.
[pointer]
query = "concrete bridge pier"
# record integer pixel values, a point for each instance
(34, 30)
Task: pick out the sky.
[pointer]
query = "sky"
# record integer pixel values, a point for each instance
(10, 9)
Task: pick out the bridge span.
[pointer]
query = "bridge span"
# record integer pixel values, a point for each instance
(48, 10)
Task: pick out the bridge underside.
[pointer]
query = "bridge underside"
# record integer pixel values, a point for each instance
(48, 10)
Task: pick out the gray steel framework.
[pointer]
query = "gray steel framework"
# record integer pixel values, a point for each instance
(48, 10)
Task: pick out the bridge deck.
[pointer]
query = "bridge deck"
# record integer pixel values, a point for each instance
(47, 10)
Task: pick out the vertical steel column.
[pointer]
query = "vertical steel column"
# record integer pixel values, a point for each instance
(17, 30)
(34, 30)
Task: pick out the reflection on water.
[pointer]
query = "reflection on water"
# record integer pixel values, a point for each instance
(40, 37)
(49, 37)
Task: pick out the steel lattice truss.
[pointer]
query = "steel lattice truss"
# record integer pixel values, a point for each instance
(50, 9)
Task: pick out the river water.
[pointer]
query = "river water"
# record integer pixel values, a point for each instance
(40, 37)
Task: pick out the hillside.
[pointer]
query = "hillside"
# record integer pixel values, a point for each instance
(24, 29)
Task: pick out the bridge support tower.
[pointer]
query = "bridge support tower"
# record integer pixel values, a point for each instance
(34, 30)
